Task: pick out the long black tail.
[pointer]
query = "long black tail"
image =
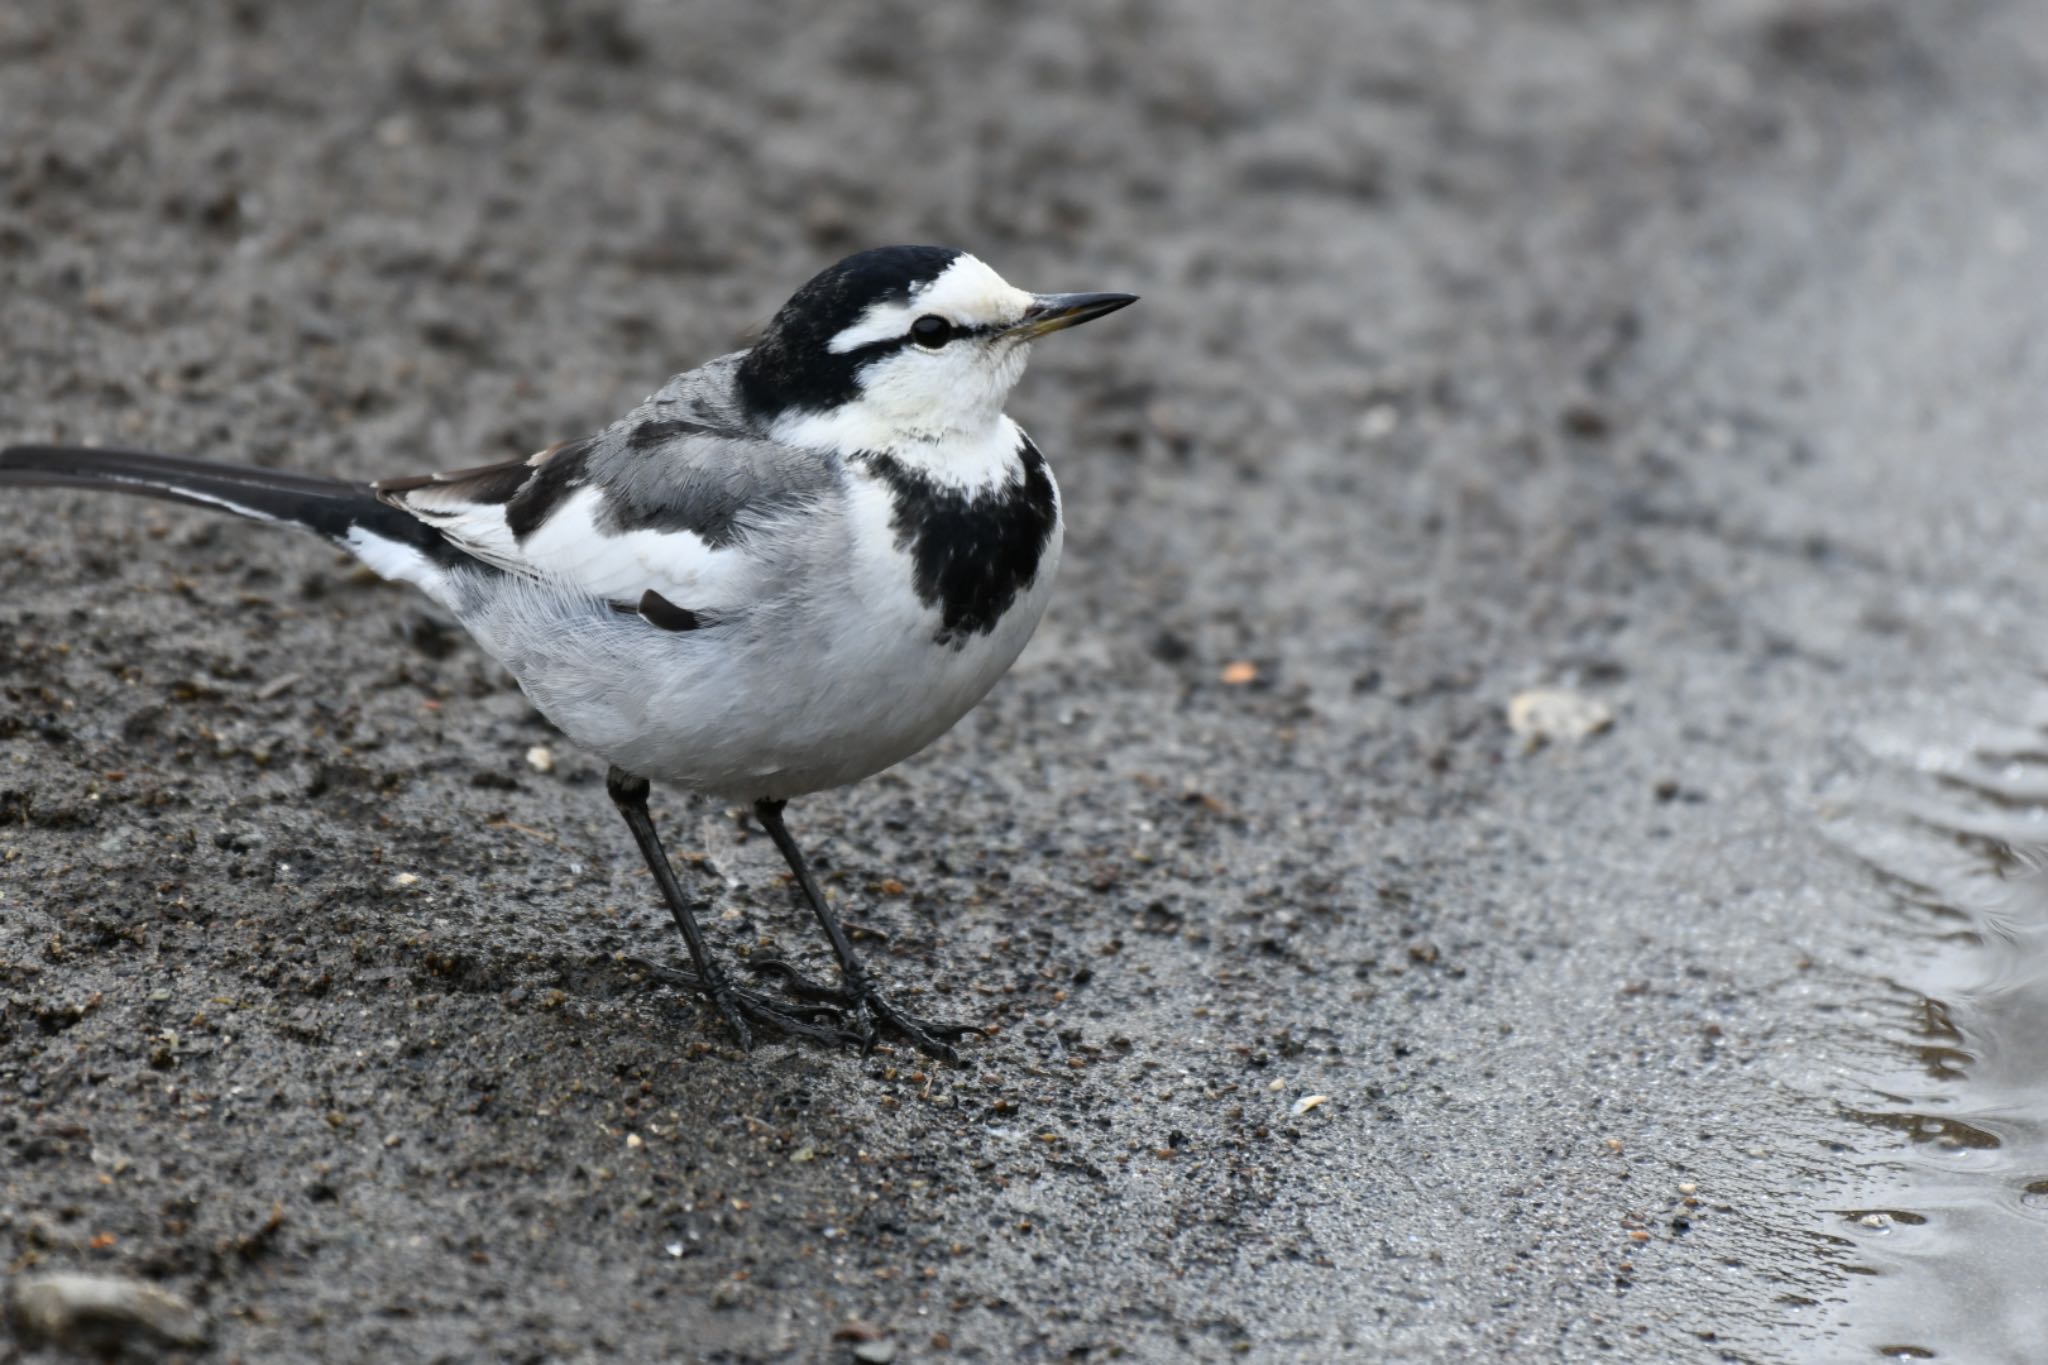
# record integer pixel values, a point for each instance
(343, 511)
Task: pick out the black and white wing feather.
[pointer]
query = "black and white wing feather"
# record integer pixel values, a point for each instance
(678, 500)
(679, 513)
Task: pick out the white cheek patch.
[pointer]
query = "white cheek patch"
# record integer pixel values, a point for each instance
(967, 293)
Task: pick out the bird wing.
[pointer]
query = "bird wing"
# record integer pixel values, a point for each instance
(671, 504)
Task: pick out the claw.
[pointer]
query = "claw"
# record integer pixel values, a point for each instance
(867, 1004)
(797, 984)
(815, 1001)
(762, 1012)
(926, 1035)
(737, 1006)
(726, 1010)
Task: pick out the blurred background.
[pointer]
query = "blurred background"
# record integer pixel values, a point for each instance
(1678, 366)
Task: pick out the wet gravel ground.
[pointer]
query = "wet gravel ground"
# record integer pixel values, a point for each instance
(1685, 358)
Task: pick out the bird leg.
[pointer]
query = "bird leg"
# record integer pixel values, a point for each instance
(857, 992)
(735, 1006)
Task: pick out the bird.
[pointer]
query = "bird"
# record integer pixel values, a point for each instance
(782, 572)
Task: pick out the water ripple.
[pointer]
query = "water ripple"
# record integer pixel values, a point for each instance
(1953, 1198)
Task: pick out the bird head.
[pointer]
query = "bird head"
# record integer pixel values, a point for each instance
(901, 345)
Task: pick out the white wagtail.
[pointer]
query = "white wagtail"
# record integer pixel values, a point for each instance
(785, 571)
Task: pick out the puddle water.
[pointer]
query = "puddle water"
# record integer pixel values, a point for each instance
(1949, 1236)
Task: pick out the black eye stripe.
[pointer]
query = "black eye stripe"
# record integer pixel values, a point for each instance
(864, 355)
(953, 331)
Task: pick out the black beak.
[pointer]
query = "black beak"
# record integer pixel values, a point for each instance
(1053, 312)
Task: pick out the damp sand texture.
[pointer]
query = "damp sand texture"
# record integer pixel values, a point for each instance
(1678, 363)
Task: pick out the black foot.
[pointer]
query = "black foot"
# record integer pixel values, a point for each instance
(868, 1005)
(739, 1007)
(796, 983)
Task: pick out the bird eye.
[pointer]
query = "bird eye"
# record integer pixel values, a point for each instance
(931, 330)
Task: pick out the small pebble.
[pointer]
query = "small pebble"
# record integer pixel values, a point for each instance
(1543, 714)
(541, 758)
(1306, 1103)
(103, 1313)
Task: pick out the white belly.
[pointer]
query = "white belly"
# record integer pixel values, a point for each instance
(813, 692)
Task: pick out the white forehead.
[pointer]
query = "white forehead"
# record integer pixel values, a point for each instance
(966, 293)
